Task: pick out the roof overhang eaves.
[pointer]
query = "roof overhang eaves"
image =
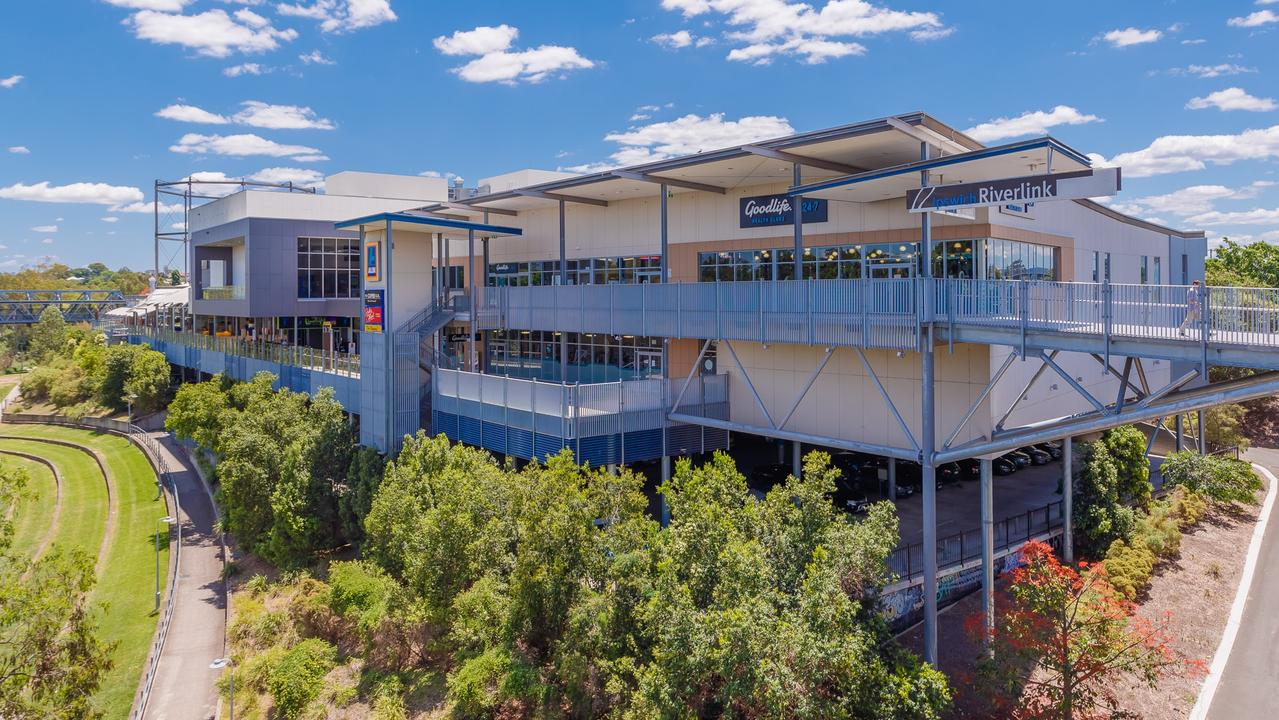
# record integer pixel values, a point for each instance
(382, 218)
(944, 161)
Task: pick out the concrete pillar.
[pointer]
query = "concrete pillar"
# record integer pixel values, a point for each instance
(666, 476)
(797, 459)
(892, 480)
(1067, 499)
(988, 546)
(781, 452)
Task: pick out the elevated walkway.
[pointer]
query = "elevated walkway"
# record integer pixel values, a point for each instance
(23, 307)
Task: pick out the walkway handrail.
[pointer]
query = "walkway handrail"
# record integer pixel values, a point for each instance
(907, 560)
(315, 359)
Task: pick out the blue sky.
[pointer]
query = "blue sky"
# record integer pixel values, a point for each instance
(98, 98)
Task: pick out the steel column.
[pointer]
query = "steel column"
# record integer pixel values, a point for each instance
(1203, 438)
(563, 283)
(928, 441)
(797, 210)
(1179, 439)
(892, 480)
(988, 548)
(1067, 499)
(472, 354)
(796, 460)
(666, 477)
(388, 339)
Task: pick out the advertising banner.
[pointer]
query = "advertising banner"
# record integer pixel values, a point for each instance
(769, 210)
(374, 308)
(1032, 188)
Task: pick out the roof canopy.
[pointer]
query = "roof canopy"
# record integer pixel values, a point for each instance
(421, 222)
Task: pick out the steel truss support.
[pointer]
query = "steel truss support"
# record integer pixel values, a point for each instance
(1033, 378)
(807, 386)
(691, 372)
(750, 385)
(1170, 387)
(985, 393)
(910, 437)
(1072, 382)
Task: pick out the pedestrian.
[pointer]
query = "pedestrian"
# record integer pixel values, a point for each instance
(1192, 308)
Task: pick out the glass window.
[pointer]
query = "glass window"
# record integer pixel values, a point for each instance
(328, 268)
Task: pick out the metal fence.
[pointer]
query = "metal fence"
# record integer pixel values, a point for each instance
(328, 361)
(886, 313)
(908, 561)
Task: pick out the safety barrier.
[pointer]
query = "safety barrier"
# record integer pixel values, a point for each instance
(315, 359)
(907, 561)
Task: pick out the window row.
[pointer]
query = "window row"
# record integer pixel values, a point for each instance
(585, 271)
(592, 357)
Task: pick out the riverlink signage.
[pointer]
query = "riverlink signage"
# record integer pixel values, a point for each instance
(768, 210)
(1033, 188)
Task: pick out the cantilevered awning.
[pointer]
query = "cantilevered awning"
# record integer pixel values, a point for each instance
(411, 222)
(1028, 157)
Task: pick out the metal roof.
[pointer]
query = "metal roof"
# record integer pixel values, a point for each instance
(444, 225)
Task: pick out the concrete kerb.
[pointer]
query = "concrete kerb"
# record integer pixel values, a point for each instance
(172, 507)
(57, 505)
(1222, 656)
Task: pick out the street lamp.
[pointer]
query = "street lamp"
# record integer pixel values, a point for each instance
(128, 399)
(225, 662)
(166, 520)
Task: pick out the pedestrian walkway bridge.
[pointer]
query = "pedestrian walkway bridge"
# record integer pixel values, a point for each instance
(1235, 326)
(23, 307)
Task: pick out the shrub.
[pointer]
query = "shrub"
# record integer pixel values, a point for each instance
(37, 384)
(1188, 505)
(358, 592)
(1100, 516)
(1159, 530)
(1220, 480)
(68, 389)
(474, 685)
(1127, 448)
(297, 677)
(1128, 567)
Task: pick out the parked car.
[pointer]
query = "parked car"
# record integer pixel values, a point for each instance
(1037, 456)
(1004, 465)
(971, 468)
(949, 474)
(766, 477)
(849, 496)
(856, 467)
(1019, 457)
(1053, 450)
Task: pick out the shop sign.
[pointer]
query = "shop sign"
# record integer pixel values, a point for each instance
(769, 210)
(373, 261)
(1020, 190)
(374, 306)
(456, 337)
(505, 268)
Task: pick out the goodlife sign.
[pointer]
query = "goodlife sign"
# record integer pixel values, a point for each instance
(1033, 188)
(765, 210)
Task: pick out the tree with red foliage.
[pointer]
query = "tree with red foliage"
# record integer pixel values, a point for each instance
(1062, 635)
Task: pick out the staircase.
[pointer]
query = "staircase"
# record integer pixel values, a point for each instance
(425, 324)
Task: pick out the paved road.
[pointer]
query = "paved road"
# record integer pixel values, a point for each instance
(184, 684)
(1250, 684)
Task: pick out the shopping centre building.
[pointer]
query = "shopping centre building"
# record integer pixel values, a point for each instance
(890, 287)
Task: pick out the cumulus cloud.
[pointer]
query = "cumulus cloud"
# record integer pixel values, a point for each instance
(1257, 19)
(110, 219)
(1181, 153)
(315, 57)
(81, 192)
(1212, 71)
(1131, 36)
(10, 82)
(45, 229)
(255, 113)
(499, 62)
(298, 176)
(212, 33)
(1193, 200)
(762, 29)
(338, 16)
(685, 136)
(1231, 99)
(1256, 216)
(1033, 122)
(244, 69)
(157, 5)
(681, 39)
(20, 150)
(47, 241)
(243, 145)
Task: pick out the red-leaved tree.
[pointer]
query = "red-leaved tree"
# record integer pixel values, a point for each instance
(1062, 636)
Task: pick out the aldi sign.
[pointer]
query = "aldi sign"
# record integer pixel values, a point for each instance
(769, 210)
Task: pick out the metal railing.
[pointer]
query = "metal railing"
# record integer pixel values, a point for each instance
(887, 313)
(223, 292)
(328, 361)
(908, 561)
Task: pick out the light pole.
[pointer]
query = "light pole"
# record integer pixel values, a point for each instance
(128, 399)
(225, 662)
(166, 520)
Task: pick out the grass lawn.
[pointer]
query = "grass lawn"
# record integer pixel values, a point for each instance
(7, 382)
(83, 520)
(127, 583)
(34, 511)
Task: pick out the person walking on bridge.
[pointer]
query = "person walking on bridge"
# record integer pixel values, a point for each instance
(1192, 308)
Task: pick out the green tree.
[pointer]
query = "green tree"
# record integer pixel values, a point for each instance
(297, 677)
(49, 336)
(1100, 516)
(1219, 479)
(148, 379)
(1127, 447)
(199, 412)
(51, 660)
(355, 496)
(1258, 262)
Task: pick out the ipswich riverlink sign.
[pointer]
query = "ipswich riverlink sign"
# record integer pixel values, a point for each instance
(1032, 188)
(768, 210)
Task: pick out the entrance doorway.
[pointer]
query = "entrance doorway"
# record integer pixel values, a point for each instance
(892, 270)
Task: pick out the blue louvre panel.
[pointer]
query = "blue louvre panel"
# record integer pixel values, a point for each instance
(446, 423)
(468, 430)
(715, 439)
(683, 439)
(600, 450)
(547, 445)
(519, 443)
(495, 437)
(643, 445)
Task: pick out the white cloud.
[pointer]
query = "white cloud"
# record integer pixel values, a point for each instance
(242, 146)
(338, 16)
(681, 39)
(45, 229)
(191, 114)
(1034, 122)
(1257, 19)
(1192, 200)
(685, 136)
(244, 69)
(212, 33)
(1212, 71)
(497, 62)
(1256, 216)
(47, 241)
(767, 28)
(1231, 99)
(1193, 41)
(11, 81)
(82, 192)
(1180, 153)
(145, 206)
(20, 150)
(158, 5)
(298, 176)
(315, 57)
(1131, 36)
(110, 219)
